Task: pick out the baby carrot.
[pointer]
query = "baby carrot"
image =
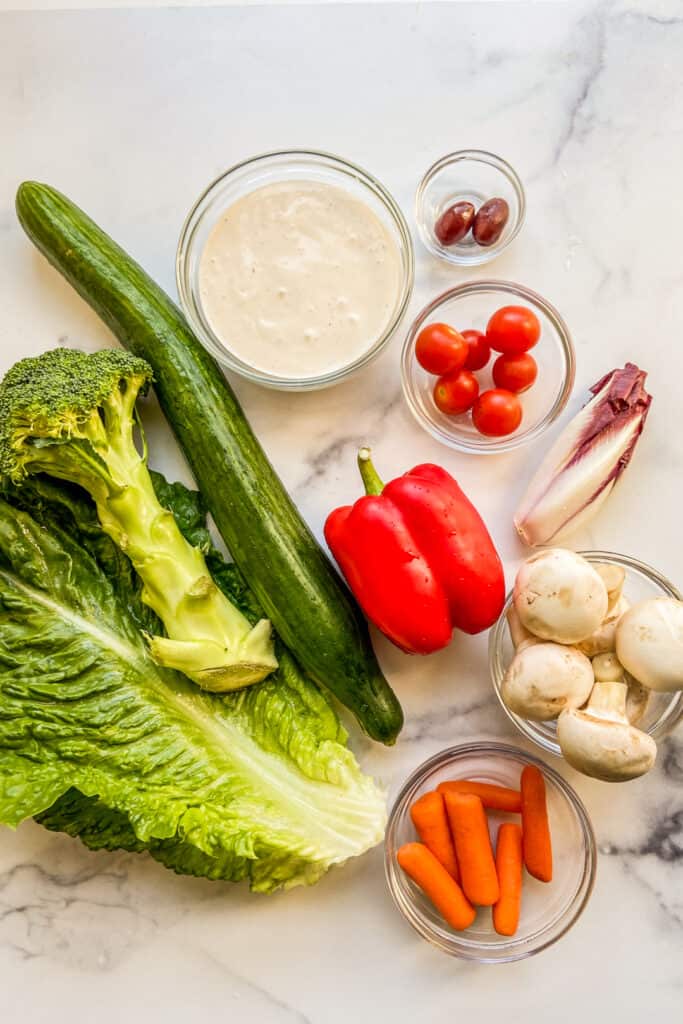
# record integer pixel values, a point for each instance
(509, 868)
(496, 798)
(538, 854)
(429, 818)
(470, 833)
(421, 865)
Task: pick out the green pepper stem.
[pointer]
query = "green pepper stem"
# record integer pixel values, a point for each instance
(371, 480)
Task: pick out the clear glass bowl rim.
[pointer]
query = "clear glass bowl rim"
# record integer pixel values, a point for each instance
(486, 254)
(512, 949)
(489, 446)
(200, 209)
(669, 718)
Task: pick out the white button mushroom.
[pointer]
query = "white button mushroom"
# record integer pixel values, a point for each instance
(559, 596)
(600, 741)
(543, 679)
(649, 643)
(604, 637)
(614, 577)
(518, 634)
(608, 669)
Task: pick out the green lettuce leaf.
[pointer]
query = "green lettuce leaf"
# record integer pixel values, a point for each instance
(97, 741)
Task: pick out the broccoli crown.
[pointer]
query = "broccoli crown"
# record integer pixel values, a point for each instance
(53, 394)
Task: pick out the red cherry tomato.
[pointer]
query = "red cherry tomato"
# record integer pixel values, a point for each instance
(513, 329)
(515, 373)
(456, 392)
(497, 413)
(479, 350)
(440, 349)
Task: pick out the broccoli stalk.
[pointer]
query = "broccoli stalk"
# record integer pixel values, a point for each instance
(72, 415)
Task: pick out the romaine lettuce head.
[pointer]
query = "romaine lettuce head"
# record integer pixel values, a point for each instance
(98, 741)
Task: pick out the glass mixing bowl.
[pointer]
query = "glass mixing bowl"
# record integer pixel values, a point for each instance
(470, 306)
(473, 176)
(269, 168)
(548, 910)
(664, 710)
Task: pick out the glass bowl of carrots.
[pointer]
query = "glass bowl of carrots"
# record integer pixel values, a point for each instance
(489, 853)
(468, 308)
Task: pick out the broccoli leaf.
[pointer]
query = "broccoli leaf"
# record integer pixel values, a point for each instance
(98, 741)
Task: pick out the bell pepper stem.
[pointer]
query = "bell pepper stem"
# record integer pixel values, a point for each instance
(370, 477)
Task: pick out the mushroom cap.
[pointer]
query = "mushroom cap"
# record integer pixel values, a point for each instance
(559, 596)
(605, 749)
(543, 679)
(608, 668)
(649, 643)
(604, 638)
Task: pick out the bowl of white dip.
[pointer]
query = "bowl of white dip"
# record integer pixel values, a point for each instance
(295, 269)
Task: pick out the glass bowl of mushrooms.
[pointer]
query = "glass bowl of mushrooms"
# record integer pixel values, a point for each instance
(587, 659)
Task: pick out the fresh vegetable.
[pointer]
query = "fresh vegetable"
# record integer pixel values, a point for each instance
(418, 557)
(600, 741)
(515, 372)
(513, 329)
(538, 854)
(440, 349)
(456, 392)
(580, 470)
(490, 220)
(470, 832)
(454, 223)
(496, 798)
(509, 871)
(99, 741)
(545, 678)
(73, 416)
(479, 351)
(421, 865)
(559, 596)
(287, 570)
(497, 413)
(604, 638)
(431, 824)
(649, 643)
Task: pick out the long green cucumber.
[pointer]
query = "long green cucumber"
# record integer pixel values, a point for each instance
(281, 560)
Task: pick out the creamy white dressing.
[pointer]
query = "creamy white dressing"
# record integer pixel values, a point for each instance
(299, 278)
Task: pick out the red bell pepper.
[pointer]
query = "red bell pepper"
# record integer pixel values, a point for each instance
(417, 557)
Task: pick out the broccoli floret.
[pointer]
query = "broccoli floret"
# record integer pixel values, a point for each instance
(72, 415)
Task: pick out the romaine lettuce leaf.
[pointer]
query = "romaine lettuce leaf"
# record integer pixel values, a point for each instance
(98, 741)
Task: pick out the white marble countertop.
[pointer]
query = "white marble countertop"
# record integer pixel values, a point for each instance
(131, 113)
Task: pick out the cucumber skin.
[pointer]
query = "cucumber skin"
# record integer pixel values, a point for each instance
(281, 560)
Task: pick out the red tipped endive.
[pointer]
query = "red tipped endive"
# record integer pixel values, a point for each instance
(581, 469)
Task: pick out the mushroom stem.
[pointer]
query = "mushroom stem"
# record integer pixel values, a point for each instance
(608, 700)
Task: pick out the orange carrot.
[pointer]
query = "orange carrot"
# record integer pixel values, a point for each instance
(509, 868)
(496, 798)
(470, 832)
(538, 854)
(421, 865)
(429, 818)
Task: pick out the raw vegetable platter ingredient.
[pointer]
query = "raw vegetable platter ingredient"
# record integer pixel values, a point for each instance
(591, 659)
(454, 863)
(98, 741)
(503, 898)
(456, 357)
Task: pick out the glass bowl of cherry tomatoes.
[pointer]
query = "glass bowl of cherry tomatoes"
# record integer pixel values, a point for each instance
(487, 366)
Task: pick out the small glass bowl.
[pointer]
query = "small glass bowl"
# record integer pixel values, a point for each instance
(473, 176)
(470, 306)
(269, 168)
(664, 710)
(548, 910)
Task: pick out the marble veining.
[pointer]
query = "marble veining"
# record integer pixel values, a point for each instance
(131, 113)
